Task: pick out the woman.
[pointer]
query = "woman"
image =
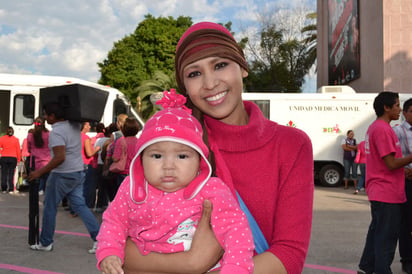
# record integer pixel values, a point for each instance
(88, 152)
(269, 165)
(10, 156)
(38, 146)
(349, 154)
(126, 148)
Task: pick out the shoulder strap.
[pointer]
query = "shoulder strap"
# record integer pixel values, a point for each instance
(261, 244)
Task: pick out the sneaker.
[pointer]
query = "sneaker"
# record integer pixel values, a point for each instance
(93, 249)
(42, 247)
(356, 192)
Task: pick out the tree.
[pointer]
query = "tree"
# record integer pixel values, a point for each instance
(159, 82)
(310, 33)
(135, 58)
(280, 60)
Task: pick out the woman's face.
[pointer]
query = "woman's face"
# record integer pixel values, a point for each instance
(214, 85)
(351, 135)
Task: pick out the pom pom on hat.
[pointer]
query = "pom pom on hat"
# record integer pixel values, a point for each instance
(176, 124)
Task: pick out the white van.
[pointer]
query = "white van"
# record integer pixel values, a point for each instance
(20, 101)
(325, 117)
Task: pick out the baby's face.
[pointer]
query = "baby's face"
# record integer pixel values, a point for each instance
(170, 166)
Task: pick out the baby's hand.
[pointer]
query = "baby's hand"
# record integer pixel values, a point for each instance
(111, 265)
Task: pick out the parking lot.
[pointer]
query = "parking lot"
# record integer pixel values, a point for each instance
(340, 223)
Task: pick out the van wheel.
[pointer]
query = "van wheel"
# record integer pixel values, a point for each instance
(330, 175)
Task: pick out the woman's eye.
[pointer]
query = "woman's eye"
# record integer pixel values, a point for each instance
(221, 65)
(193, 74)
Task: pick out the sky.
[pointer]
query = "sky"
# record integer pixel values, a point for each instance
(69, 38)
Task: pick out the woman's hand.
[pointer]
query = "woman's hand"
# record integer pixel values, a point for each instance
(205, 250)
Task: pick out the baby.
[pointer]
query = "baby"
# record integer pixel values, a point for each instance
(160, 204)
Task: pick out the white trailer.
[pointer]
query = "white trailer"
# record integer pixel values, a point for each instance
(325, 117)
(20, 101)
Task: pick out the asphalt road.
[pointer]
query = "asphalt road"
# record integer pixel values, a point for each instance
(340, 223)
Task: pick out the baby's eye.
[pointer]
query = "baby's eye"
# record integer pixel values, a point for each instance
(221, 65)
(193, 74)
(156, 156)
(182, 156)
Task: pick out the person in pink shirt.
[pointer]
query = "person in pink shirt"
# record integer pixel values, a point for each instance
(38, 146)
(361, 161)
(126, 147)
(160, 204)
(385, 185)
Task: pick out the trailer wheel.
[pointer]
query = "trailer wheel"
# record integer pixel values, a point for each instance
(330, 175)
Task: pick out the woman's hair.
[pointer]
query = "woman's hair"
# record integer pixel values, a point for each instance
(38, 130)
(121, 118)
(9, 130)
(202, 40)
(130, 127)
(84, 124)
(110, 129)
(100, 128)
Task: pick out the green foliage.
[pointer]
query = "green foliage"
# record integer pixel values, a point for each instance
(310, 40)
(281, 64)
(159, 82)
(136, 57)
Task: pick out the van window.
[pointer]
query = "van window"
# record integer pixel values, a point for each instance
(23, 113)
(119, 107)
(4, 110)
(264, 106)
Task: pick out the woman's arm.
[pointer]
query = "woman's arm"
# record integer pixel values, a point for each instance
(88, 148)
(204, 253)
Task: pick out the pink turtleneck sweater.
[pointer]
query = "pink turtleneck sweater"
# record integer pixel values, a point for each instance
(271, 166)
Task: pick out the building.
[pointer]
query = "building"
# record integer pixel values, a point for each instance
(379, 33)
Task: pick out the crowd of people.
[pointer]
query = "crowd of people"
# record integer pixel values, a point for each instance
(209, 163)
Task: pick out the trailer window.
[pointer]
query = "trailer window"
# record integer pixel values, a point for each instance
(4, 110)
(23, 113)
(119, 107)
(264, 106)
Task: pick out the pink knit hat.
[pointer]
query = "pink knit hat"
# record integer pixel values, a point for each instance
(176, 124)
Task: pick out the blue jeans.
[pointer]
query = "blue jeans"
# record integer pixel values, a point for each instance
(348, 166)
(361, 182)
(382, 238)
(58, 186)
(42, 181)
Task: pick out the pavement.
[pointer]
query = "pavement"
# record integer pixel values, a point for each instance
(340, 223)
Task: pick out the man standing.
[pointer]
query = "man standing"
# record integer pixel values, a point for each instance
(404, 133)
(66, 177)
(385, 186)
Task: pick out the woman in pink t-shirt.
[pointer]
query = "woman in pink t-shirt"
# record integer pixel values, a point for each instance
(38, 147)
(127, 147)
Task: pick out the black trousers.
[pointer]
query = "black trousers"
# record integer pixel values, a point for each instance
(8, 167)
(405, 237)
